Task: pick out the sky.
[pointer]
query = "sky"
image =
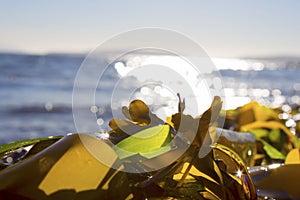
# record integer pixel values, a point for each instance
(228, 28)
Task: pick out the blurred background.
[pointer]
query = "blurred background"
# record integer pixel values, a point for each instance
(254, 44)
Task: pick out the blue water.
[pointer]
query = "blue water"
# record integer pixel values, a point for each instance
(36, 92)
(27, 84)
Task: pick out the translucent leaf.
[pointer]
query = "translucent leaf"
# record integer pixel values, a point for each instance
(146, 142)
(66, 170)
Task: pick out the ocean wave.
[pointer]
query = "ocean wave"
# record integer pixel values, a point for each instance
(47, 108)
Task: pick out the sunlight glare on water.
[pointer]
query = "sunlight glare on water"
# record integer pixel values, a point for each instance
(175, 74)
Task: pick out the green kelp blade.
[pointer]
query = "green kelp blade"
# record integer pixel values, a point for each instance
(145, 142)
(259, 133)
(14, 145)
(275, 136)
(272, 151)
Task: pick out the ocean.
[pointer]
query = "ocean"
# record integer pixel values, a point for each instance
(36, 91)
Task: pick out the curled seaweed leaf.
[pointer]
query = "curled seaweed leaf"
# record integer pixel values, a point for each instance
(139, 118)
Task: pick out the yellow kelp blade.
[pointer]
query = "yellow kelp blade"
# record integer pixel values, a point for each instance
(293, 157)
(253, 111)
(267, 124)
(193, 172)
(65, 170)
